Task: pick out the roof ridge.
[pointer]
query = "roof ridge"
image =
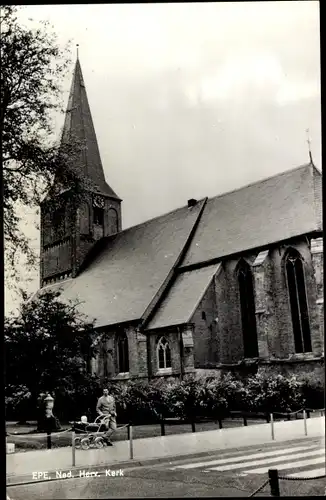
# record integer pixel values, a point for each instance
(162, 215)
(261, 181)
(94, 252)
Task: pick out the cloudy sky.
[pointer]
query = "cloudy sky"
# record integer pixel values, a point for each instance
(191, 100)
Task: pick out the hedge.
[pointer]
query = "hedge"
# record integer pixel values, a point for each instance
(191, 398)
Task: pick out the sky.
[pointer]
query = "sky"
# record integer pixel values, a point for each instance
(190, 100)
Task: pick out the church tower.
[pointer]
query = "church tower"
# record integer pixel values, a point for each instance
(68, 229)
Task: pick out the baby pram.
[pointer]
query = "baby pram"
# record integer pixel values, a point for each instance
(95, 433)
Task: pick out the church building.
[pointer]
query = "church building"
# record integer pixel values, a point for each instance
(226, 283)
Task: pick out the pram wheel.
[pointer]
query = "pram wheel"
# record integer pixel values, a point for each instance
(77, 442)
(99, 442)
(85, 443)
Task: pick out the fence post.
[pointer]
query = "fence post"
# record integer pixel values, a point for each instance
(272, 426)
(289, 416)
(131, 443)
(48, 439)
(267, 418)
(273, 482)
(245, 423)
(305, 423)
(128, 432)
(193, 426)
(162, 427)
(73, 448)
(220, 423)
(308, 414)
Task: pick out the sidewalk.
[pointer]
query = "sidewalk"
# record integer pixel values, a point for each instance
(24, 463)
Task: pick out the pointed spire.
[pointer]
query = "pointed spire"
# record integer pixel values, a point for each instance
(79, 126)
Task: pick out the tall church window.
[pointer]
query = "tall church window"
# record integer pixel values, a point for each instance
(247, 306)
(163, 354)
(123, 354)
(298, 302)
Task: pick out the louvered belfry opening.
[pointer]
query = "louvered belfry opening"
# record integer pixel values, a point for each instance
(247, 306)
(298, 302)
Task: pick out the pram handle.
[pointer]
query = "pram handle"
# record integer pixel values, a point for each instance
(101, 417)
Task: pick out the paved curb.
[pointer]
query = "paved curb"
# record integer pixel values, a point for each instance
(15, 480)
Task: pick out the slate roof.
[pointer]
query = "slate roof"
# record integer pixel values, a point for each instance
(274, 209)
(124, 277)
(183, 298)
(79, 125)
(129, 269)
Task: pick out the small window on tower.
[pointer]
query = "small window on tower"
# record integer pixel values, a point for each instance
(203, 315)
(98, 216)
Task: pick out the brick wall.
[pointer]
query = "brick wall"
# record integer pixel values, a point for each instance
(142, 354)
(84, 218)
(173, 337)
(219, 344)
(313, 370)
(112, 217)
(78, 225)
(284, 341)
(206, 330)
(224, 345)
(106, 363)
(229, 312)
(318, 269)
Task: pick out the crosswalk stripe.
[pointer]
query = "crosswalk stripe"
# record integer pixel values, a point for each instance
(289, 465)
(267, 460)
(309, 473)
(241, 458)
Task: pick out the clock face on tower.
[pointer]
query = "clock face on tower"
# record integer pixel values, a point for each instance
(98, 201)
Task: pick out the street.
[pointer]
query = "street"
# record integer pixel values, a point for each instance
(236, 472)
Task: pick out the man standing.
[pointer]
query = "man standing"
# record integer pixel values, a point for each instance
(106, 407)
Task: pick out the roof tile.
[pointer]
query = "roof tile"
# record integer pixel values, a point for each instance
(257, 215)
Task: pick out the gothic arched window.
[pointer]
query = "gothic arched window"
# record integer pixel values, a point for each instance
(248, 313)
(123, 354)
(298, 302)
(163, 354)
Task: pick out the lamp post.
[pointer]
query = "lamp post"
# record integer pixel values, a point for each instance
(49, 403)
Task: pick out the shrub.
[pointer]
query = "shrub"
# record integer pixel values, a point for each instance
(134, 403)
(159, 400)
(313, 393)
(143, 402)
(234, 392)
(213, 401)
(185, 397)
(74, 398)
(268, 393)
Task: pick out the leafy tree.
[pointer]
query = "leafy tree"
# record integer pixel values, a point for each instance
(32, 68)
(47, 348)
